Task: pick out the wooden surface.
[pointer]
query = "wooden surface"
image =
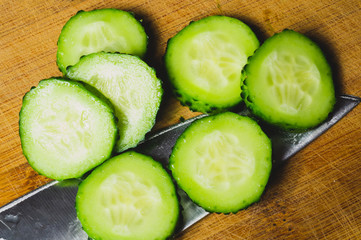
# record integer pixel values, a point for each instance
(316, 195)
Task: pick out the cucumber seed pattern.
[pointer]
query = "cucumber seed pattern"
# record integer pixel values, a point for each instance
(64, 130)
(222, 161)
(124, 87)
(215, 61)
(98, 36)
(127, 200)
(127, 100)
(293, 80)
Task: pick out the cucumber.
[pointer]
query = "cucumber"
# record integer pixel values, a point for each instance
(222, 162)
(129, 197)
(109, 30)
(204, 62)
(65, 129)
(131, 86)
(289, 82)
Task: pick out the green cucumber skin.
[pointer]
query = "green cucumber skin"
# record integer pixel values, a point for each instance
(88, 228)
(194, 103)
(82, 13)
(22, 134)
(248, 98)
(216, 209)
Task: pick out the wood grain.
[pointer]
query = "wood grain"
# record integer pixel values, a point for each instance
(315, 195)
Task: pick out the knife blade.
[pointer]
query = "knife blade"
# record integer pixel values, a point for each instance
(49, 211)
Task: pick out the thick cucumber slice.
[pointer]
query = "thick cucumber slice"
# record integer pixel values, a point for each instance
(204, 62)
(131, 86)
(129, 197)
(109, 30)
(289, 82)
(222, 162)
(65, 130)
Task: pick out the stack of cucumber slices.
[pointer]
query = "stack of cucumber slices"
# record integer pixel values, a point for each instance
(106, 102)
(109, 97)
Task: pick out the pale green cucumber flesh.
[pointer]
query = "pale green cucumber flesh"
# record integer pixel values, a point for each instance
(65, 130)
(222, 162)
(204, 62)
(129, 197)
(109, 30)
(131, 86)
(289, 82)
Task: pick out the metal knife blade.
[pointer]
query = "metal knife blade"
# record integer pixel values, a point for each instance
(48, 212)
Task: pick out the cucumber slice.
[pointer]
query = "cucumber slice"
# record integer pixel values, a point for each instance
(222, 162)
(65, 130)
(289, 82)
(204, 62)
(129, 197)
(131, 86)
(109, 30)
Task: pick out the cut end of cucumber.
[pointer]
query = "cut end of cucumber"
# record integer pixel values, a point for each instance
(130, 196)
(108, 30)
(289, 82)
(205, 60)
(292, 79)
(131, 86)
(127, 200)
(65, 130)
(215, 62)
(222, 162)
(98, 36)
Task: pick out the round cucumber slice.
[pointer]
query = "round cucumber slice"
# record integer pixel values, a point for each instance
(289, 82)
(65, 130)
(222, 162)
(129, 197)
(131, 86)
(204, 62)
(109, 30)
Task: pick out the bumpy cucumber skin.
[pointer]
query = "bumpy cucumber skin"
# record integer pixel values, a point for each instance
(192, 130)
(22, 134)
(248, 98)
(82, 13)
(173, 193)
(196, 105)
(189, 100)
(120, 145)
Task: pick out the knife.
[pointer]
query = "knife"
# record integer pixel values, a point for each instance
(48, 212)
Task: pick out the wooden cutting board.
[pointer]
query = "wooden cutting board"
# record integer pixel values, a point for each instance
(315, 195)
